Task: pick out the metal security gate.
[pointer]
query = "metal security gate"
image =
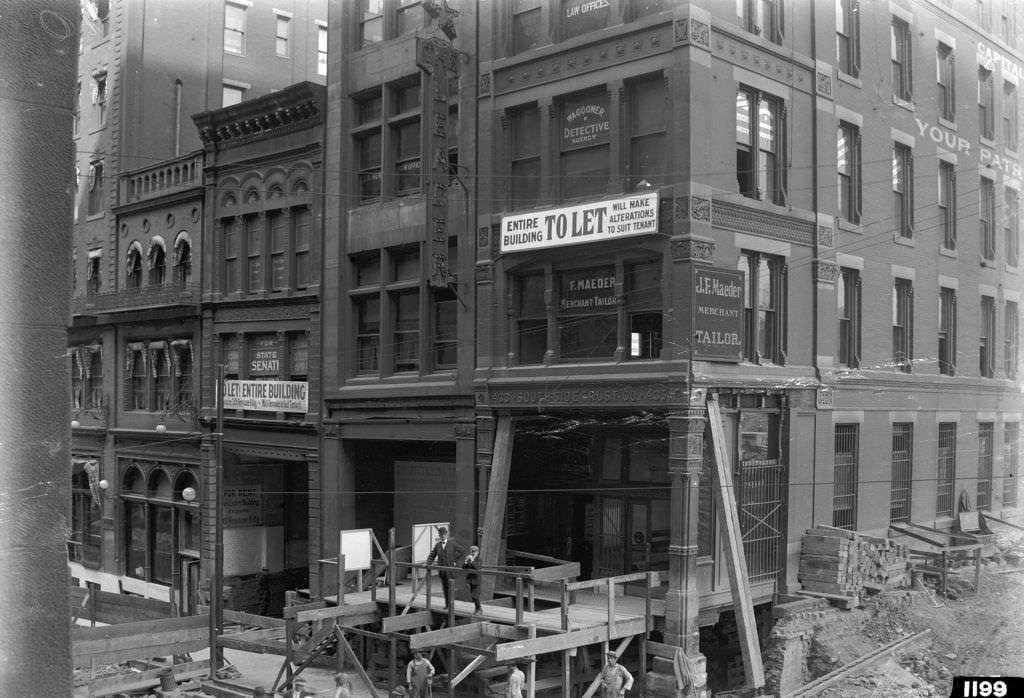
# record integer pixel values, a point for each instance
(760, 502)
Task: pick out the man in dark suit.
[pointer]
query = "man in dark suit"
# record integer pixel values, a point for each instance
(447, 553)
(472, 566)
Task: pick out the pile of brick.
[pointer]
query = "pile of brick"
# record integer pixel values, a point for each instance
(841, 563)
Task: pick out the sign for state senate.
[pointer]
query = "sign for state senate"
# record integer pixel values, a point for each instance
(573, 225)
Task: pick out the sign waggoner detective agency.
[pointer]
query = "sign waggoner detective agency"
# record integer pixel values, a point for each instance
(266, 396)
(572, 225)
(717, 314)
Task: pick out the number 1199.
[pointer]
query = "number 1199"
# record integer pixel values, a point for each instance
(974, 688)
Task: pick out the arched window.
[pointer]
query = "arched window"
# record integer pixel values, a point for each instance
(182, 260)
(133, 268)
(86, 513)
(157, 262)
(159, 520)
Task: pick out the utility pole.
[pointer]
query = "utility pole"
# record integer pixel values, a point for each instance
(38, 71)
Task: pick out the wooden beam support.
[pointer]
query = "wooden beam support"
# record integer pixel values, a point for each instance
(519, 649)
(497, 494)
(446, 636)
(351, 656)
(411, 621)
(596, 683)
(739, 578)
(125, 683)
(470, 668)
(345, 611)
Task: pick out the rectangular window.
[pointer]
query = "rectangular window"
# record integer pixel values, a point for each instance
(160, 357)
(844, 492)
(234, 28)
(524, 125)
(1011, 463)
(526, 25)
(231, 95)
(78, 112)
(368, 146)
(95, 198)
(282, 36)
(321, 50)
(302, 224)
(583, 16)
(371, 22)
(137, 377)
(947, 331)
(902, 324)
(987, 337)
(584, 137)
(903, 191)
(761, 17)
(94, 378)
(99, 98)
(406, 337)
(760, 151)
(1008, 23)
(1011, 122)
(764, 311)
(648, 159)
(987, 218)
(902, 472)
(1011, 340)
(902, 60)
(848, 299)
(848, 164)
(182, 366)
(278, 225)
(254, 253)
(945, 70)
(986, 104)
(946, 472)
(643, 307)
(947, 203)
(587, 321)
(848, 36)
(984, 14)
(410, 16)
(368, 334)
(232, 251)
(405, 137)
(92, 274)
(298, 357)
(986, 449)
(1011, 226)
(532, 322)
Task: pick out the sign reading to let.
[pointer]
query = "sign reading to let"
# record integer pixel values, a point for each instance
(572, 225)
(266, 396)
(717, 314)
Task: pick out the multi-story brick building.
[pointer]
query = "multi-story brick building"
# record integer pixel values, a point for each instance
(136, 340)
(810, 210)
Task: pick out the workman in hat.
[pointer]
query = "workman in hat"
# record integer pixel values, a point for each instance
(615, 678)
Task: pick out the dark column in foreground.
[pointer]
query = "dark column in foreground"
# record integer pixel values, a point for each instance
(38, 55)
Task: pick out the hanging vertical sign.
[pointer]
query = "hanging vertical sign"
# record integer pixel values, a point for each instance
(436, 59)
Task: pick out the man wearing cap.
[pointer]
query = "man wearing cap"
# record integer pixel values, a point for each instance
(615, 678)
(447, 554)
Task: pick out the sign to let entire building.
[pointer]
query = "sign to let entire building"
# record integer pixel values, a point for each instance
(717, 314)
(573, 225)
(266, 396)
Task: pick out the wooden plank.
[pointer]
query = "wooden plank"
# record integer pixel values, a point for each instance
(354, 659)
(155, 647)
(251, 619)
(725, 499)
(497, 495)
(135, 681)
(519, 649)
(445, 636)
(290, 611)
(344, 611)
(142, 627)
(556, 573)
(410, 621)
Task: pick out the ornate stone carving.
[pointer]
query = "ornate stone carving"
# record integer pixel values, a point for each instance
(689, 30)
(823, 84)
(484, 273)
(736, 216)
(483, 236)
(826, 272)
(689, 249)
(826, 236)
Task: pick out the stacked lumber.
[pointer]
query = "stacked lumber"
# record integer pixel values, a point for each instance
(840, 562)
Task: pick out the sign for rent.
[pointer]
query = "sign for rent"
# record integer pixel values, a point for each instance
(266, 396)
(572, 225)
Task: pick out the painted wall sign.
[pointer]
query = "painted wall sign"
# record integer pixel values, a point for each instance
(243, 506)
(717, 314)
(989, 57)
(586, 291)
(590, 394)
(264, 357)
(595, 222)
(958, 144)
(266, 396)
(585, 15)
(585, 121)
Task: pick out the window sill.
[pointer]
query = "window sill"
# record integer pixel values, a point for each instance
(988, 142)
(903, 104)
(1011, 269)
(947, 123)
(1012, 152)
(96, 216)
(848, 227)
(851, 80)
(903, 240)
(946, 252)
(988, 263)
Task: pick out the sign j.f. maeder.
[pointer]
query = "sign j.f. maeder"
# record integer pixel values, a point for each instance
(717, 314)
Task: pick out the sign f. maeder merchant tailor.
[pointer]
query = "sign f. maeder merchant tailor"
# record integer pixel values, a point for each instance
(717, 314)
(266, 396)
(572, 225)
